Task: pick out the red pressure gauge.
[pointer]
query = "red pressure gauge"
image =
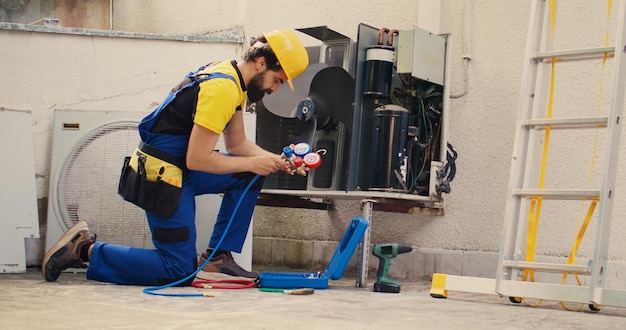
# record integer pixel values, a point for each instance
(312, 160)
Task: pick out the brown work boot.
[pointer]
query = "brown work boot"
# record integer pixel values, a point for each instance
(65, 253)
(223, 267)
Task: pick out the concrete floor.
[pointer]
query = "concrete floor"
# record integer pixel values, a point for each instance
(28, 302)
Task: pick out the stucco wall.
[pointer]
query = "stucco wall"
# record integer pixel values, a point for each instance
(255, 17)
(88, 14)
(46, 71)
(482, 122)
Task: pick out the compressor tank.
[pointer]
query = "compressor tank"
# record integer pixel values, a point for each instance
(389, 137)
(378, 71)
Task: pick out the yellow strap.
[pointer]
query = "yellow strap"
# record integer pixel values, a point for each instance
(533, 224)
(572, 256)
(581, 232)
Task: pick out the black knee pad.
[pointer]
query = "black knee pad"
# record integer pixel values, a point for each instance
(171, 235)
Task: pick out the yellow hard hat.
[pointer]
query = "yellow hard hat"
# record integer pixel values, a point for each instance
(290, 52)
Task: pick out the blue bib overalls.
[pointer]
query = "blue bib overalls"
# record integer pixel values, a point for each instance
(175, 238)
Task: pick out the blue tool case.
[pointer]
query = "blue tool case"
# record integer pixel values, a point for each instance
(334, 270)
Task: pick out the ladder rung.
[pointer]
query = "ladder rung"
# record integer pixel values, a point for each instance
(548, 267)
(564, 123)
(575, 53)
(558, 194)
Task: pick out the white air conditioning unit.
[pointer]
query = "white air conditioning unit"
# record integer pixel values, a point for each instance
(18, 196)
(88, 149)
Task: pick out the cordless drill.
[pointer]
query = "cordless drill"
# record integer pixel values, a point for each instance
(385, 252)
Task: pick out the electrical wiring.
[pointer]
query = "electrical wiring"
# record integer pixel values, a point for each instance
(420, 97)
(152, 290)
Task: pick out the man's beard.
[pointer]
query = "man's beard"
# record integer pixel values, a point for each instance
(255, 90)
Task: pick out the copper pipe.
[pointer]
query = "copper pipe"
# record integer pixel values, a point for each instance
(381, 34)
(390, 36)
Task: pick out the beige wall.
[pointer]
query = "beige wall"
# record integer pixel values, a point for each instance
(88, 14)
(255, 17)
(127, 74)
(46, 71)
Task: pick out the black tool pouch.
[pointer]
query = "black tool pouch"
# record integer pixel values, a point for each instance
(144, 182)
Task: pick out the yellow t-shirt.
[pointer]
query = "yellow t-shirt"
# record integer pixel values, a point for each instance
(219, 98)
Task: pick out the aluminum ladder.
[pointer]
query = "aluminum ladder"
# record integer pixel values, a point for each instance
(525, 190)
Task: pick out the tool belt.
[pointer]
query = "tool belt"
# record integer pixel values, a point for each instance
(152, 180)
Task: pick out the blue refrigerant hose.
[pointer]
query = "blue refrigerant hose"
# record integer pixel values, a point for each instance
(152, 290)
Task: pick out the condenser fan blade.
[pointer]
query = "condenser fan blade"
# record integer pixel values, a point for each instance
(284, 102)
(332, 94)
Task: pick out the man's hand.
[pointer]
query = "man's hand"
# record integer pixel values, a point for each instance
(265, 165)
